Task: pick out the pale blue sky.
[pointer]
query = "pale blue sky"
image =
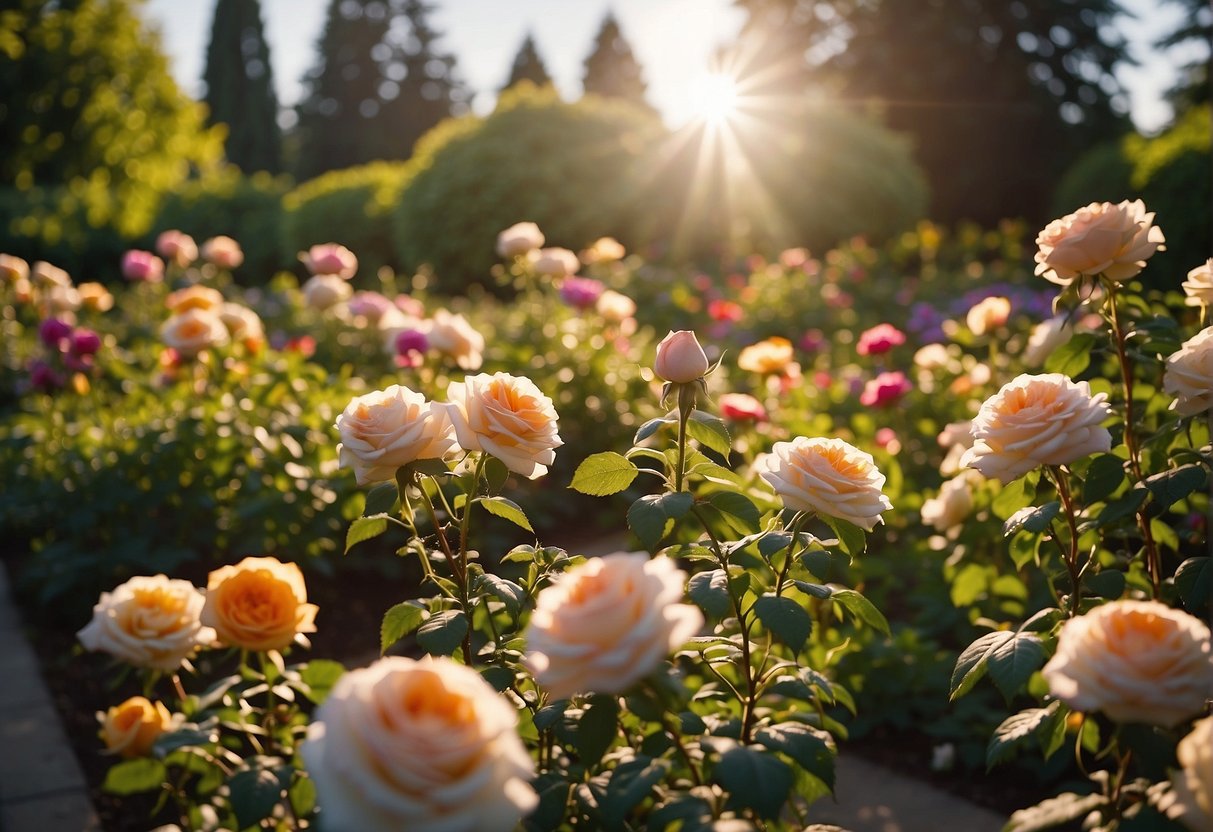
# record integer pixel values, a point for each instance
(672, 38)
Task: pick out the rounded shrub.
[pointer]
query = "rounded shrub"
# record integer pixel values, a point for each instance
(53, 224)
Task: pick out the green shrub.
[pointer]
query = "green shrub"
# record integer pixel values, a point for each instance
(50, 224)
(575, 169)
(352, 207)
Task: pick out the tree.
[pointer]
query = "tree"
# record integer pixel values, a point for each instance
(240, 87)
(1194, 29)
(528, 66)
(612, 69)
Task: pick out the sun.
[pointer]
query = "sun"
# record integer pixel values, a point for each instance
(714, 98)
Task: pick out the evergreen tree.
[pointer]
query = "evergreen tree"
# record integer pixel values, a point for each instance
(240, 87)
(1194, 28)
(528, 66)
(612, 69)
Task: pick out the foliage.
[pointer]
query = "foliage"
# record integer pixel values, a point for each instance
(528, 66)
(611, 69)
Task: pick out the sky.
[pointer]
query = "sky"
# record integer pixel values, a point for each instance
(673, 40)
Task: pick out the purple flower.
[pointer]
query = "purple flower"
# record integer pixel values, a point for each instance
(581, 292)
(54, 333)
(85, 342)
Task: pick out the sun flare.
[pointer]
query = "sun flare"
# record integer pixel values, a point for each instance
(715, 97)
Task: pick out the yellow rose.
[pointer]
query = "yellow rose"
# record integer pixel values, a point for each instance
(258, 604)
(194, 331)
(150, 622)
(1036, 420)
(766, 357)
(608, 622)
(194, 297)
(506, 417)
(426, 746)
(131, 729)
(519, 239)
(1191, 798)
(1101, 239)
(1137, 661)
(1199, 285)
(829, 477)
(384, 430)
(1189, 374)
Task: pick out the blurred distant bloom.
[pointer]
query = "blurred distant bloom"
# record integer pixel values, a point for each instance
(932, 357)
(258, 604)
(455, 338)
(774, 355)
(581, 292)
(370, 305)
(1189, 375)
(615, 307)
(1114, 241)
(62, 298)
(132, 728)
(926, 322)
(742, 407)
(507, 417)
(956, 433)
(324, 291)
(812, 341)
(1037, 420)
(828, 477)
(193, 331)
(410, 306)
(23, 291)
(949, 508)
(410, 347)
(886, 389)
(330, 259)
(223, 252)
(835, 298)
(988, 315)
(243, 324)
(142, 266)
(793, 258)
(519, 239)
(42, 376)
(194, 297)
(305, 345)
(1198, 287)
(725, 311)
(680, 358)
(604, 250)
(555, 262)
(387, 429)
(149, 621)
(887, 438)
(177, 247)
(85, 342)
(1191, 797)
(1045, 338)
(880, 339)
(13, 268)
(822, 380)
(95, 296)
(54, 333)
(44, 274)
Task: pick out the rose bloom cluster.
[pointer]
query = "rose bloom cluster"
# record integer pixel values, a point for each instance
(70, 354)
(201, 319)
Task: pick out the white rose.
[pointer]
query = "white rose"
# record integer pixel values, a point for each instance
(1199, 285)
(506, 417)
(1037, 420)
(1102, 238)
(932, 357)
(324, 291)
(193, 331)
(988, 315)
(1046, 336)
(1191, 798)
(607, 623)
(426, 746)
(829, 477)
(454, 337)
(950, 507)
(387, 429)
(1189, 374)
(1137, 661)
(519, 239)
(555, 262)
(152, 622)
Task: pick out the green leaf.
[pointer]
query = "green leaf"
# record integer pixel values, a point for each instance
(550, 714)
(710, 591)
(443, 632)
(861, 608)
(507, 510)
(495, 474)
(398, 622)
(649, 515)
(787, 620)
(142, 774)
(1194, 580)
(185, 736)
(1054, 812)
(381, 499)
(754, 779)
(1072, 357)
(320, 675)
(710, 431)
(302, 794)
(497, 676)
(652, 426)
(254, 794)
(1016, 730)
(809, 747)
(630, 783)
(1104, 475)
(512, 595)
(597, 728)
(815, 590)
(1126, 506)
(1032, 519)
(605, 473)
(1107, 583)
(851, 539)
(1016, 495)
(971, 665)
(1012, 662)
(365, 528)
(1172, 486)
(738, 510)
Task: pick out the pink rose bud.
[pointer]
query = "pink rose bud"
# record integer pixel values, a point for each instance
(54, 333)
(880, 339)
(680, 359)
(330, 258)
(177, 246)
(142, 265)
(411, 345)
(581, 292)
(85, 342)
(885, 390)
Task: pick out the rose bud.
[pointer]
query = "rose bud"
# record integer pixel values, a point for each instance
(142, 265)
(680, 359)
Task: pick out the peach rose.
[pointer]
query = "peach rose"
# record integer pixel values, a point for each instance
(829, 477)
(96, 297)
(932, 357)
(1189, 374)
(1191, 798)
(193, 331)
(604, 250)
(62, 299)
(1199, 285)
(949, 509)
(131, 729)
(615, 307)
(387, 429)
(608, 622)
(44, 274)
(506, 417)
(426, 746)
(1046, 336)
(680, 359)
(767, 357)
(242, 323)
(987, 315)
(13, 268)
(330, 259)
(555, 262)
(178, 247)
(258, 604)
(519, 239)
(1037, 420)
(223, 252)
(194, 297)
(153, 622)
(1102, 239)
(455, 338)
(325, 291)
(1137, 661)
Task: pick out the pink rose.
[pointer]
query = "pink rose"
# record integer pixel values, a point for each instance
(885, 390)
(330, 258)
(178, 247)
(880, 339)
(142, 265)
(680, 359)
(742, 407)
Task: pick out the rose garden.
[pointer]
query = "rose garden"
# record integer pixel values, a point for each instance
(611, 535)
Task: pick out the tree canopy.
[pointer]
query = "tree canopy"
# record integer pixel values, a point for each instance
(528, 66)
(612, 70)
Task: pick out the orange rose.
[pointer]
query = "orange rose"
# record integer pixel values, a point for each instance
(258, 604)
(131, 729)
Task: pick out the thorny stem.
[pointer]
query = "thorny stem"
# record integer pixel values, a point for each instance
(682, 750)
(458, 569)
(798, 523)
(1071, 557)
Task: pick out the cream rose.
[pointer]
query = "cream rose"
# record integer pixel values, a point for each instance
(1189, 374)
(223, 252)
(607, 623)
(426, 746)
(178, 247)
(555, 262)
(949, 509)
(1046, 336)
(131, 729)
(604, 250)
(1191, 798)
(193, 331)
(1137, 661)
(242, 323)
(1036, 420)
(13, 268)
(519, 239)
(455, 338)
(45, 274)
(506, 417)
(615, 307)
(1102, 239)
(96, 297)
(153, 622)
(829, 477)
(330, 259)
(258, 604)
(1199, 285)
(770, 356)
(932, 357)
(194, 297)
(62, 298)
(680, 359)
(987, 315)
(384, 430)
(325, 291)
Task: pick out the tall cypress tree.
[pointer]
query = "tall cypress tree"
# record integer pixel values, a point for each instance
(611, 68)
(528, 66)
(240, 86)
